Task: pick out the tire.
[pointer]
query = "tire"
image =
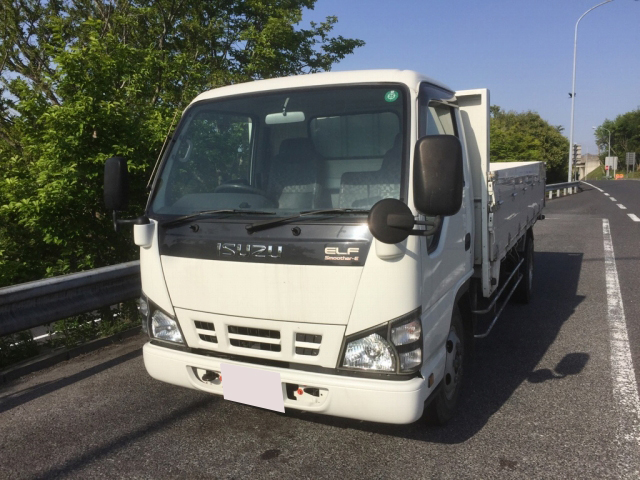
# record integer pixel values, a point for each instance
(443, 406)
(524, 291)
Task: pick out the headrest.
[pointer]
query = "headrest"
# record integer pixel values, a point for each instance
(397, 141)
(297, 150)
(393, 156)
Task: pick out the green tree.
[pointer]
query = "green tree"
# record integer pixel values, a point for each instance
(625, 137)
(527, 137)
(84, 80)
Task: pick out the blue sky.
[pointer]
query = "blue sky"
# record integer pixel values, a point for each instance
(521, 50)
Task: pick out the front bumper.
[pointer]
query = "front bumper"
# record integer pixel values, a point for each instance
(373, 400)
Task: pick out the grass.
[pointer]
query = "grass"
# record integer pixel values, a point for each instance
(600, 174)
(597, 174)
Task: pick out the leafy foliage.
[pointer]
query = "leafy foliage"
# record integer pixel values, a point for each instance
(625, 137)
(84, 80)
(17, 347)
(527, 137)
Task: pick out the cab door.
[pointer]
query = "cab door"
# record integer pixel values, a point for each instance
(446, 254)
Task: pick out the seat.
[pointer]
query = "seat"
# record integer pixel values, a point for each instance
(293, 179)
(364, 189)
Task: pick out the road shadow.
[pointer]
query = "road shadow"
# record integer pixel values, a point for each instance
(194, 408)
(505, 359)
(16, 399)
(571, 364)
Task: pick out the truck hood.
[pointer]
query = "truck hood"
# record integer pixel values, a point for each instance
(297, 293)
(271, 274)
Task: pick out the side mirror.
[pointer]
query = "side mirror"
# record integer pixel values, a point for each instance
(390, 221)
(116, 184)
(438, 176)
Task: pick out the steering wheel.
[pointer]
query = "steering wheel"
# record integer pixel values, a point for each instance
(238, 188)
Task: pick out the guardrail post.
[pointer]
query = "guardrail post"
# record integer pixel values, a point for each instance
(569, 189)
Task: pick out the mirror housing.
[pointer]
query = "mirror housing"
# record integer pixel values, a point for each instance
(438, 176)
(116, 184)
(280, 118)
(390, 221)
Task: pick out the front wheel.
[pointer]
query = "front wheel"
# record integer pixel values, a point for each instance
(442, 407)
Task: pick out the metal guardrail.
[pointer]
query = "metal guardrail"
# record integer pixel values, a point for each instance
(32, 304)
(567, 187)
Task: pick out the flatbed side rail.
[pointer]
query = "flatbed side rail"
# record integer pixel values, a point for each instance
(32, 304)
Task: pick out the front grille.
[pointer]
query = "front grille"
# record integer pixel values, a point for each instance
(206, 331)
(254, 332)
(254, 338)
(307, 344)
(205, 325)
(208, 338)
(254, 345)
(302, 337)
(307, 351)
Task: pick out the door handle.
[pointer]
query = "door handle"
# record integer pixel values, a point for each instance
(467, 242)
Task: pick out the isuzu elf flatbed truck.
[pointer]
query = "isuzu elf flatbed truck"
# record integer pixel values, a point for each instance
(331, 242)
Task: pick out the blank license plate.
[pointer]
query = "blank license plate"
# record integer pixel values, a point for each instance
(252, 387)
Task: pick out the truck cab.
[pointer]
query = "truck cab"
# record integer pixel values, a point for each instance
(316, 243)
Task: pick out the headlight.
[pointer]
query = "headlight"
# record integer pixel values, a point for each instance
(143, 309)
(370, 353)
(393, 347)
(406, 336)
(406, 333)
(164, 327)
(410, 360)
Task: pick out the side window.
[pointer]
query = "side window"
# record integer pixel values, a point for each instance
(435, 118)
(440, 120)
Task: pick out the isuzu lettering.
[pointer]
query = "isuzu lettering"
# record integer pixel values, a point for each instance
(331, 242)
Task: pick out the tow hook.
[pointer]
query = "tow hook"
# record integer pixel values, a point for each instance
(211, 376)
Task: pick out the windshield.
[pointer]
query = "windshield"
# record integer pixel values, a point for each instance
(286, 153)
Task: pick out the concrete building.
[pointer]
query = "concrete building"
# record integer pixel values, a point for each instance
(586, 164)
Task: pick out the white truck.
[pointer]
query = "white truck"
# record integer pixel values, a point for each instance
(331, 242)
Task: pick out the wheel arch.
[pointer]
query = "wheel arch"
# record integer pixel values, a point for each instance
(464, 302)
(522, 243)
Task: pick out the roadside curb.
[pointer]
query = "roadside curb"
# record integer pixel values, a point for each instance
(50, 359)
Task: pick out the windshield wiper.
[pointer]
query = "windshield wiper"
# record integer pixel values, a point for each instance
(184, 218)
(254, 227)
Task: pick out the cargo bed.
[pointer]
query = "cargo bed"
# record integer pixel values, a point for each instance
(509, 196)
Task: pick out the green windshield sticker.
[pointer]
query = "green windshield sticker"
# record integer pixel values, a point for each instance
(391, 96)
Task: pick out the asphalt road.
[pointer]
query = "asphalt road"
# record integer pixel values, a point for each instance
(542, 402)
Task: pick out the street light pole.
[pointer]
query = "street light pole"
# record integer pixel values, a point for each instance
(573, 86)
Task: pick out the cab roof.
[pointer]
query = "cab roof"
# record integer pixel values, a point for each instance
(408, 77)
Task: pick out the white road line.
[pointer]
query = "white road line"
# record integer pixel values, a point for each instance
(607, 194)
(625, 389)
(613, 199)
(593, 186)
(633, 217)
(622, 206)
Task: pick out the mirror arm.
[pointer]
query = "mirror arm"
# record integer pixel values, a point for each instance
(435, 224)
(426, 223)
(141, 220)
